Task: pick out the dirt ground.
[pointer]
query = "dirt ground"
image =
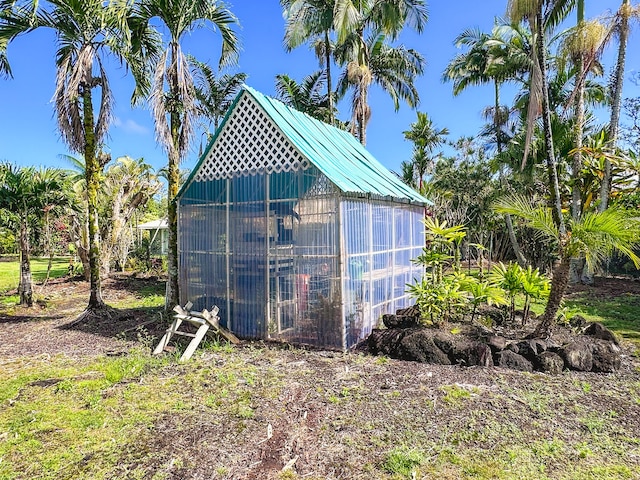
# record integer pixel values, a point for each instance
(335, 415)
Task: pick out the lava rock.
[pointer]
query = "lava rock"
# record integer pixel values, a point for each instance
(549, 362)
(510, 359)
(400, 321)
(606, 357)
(578, 356)
(472, 354)
(598, 330)
(383, 341)
(418, 345)
(530, 349)
(496, 343)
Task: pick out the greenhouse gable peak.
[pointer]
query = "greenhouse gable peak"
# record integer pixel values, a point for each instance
(262, 135)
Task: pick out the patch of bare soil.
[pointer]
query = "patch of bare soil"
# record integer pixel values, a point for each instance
(606, 287)
(327, 415)
(49, 327)
(337, 416)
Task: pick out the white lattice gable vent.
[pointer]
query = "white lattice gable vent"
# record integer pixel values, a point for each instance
(250, 143)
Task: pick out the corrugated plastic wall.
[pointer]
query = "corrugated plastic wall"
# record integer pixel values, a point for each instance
(379, 241)
(266, 250)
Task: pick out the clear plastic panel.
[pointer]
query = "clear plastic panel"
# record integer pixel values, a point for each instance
(285, 257)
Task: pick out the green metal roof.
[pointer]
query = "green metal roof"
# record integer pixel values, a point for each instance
(336, 153)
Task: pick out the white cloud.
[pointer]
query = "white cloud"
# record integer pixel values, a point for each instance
(130, 126)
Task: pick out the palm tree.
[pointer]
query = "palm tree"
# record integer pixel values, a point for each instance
(26, 193)
(173, 97)
(86, 32)
(381, 19)
(497, 57)
(542, 16)
(312, 20)
(215, 92)
(394, 69)
(622, 29)
(595, 235)
(128, 185)
(426, 137)
(307, 96)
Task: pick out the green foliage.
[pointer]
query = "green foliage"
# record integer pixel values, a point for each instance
(404, 462)
(515, 280)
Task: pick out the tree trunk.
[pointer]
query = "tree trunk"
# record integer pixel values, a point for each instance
(49, 248)
(362, 128)
(514, 242)
(92, 177)
(618, 81)
(552, 168)
(173, 180)
(577, 264)
(576, 174)
(25, 287)
(512, 234)
(559, 284)
(327, 59)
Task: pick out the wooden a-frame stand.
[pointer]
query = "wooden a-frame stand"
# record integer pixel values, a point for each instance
(203, 321)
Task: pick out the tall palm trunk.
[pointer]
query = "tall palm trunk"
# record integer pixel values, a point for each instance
(576, 191)
(362, 127)
(623, 34)
(173, 180)
(92, 177)
(552, 166)
(509, 222)
(327, 59)
(48, 246)
(25, 288)
(559, 284)
(577, 264)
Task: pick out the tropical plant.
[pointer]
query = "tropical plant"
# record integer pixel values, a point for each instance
(542, 16)
(481, 292)
(26, 193)
(214, 92)
(595, 235)
(426, 137)
(535, 286)
(363, 29)
(312, 20)
(307, 96)
(128, 185)
(173, 98)
(87, 31)
(621, 28)
(509, 279)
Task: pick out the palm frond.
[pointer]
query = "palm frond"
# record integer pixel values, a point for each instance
(534, 216)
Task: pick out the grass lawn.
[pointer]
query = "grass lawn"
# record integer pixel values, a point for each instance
(10, 271)
(284, 413)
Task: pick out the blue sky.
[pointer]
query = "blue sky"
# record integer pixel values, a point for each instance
(28, 133)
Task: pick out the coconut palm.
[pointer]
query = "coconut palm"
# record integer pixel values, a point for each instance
(542, 16)
(26, 193)
(312, 20)
(215, 92)
(595, 235)
(173, 97)
(497, 57)
(394, 69)
(307, 96)
(426, 137)
(87, 31)
(362, 28)
(621, 27)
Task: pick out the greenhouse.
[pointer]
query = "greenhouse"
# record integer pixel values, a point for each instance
(294, 230)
